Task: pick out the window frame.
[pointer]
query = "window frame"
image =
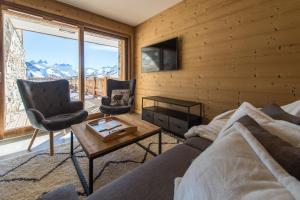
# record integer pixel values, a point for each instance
(83, 26)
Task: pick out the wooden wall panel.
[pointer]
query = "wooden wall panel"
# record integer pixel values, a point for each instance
(231, 51)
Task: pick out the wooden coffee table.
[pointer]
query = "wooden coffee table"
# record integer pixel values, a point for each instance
(94, 147)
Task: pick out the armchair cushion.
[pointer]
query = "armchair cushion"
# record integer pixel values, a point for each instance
(63, 121)
(114, 110)
(119, 97)
(119, 85)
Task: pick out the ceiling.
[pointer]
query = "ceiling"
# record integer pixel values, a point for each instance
(132, 12)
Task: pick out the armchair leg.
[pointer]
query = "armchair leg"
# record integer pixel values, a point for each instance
(33, 138)
(51, 137)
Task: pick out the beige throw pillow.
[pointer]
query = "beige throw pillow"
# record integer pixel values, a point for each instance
(119, 97)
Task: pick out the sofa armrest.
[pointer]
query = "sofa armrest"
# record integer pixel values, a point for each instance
(105, 101)
(67, 192)
(74, 106)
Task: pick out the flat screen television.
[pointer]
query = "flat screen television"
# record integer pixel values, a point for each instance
(162, 56)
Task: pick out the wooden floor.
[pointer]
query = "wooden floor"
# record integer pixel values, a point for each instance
(19, 119)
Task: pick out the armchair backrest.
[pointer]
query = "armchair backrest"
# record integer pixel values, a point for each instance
(48, 97)
(116, 84)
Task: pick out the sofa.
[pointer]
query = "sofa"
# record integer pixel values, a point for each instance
(255, 155)
(154, 179)
(151, 181)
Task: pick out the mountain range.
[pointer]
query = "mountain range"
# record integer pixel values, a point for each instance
(41, 69)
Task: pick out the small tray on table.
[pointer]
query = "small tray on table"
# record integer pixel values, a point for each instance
(109, 128)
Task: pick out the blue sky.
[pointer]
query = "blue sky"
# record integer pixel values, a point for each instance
(60, 50)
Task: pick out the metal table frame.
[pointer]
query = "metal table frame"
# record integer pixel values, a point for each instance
(88, 187)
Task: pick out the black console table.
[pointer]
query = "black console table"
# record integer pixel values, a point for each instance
(177, 122)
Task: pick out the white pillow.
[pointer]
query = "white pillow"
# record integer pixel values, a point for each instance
(229, 169)
(292, 108)
(211, 130)
(120, 97)
(286, 131)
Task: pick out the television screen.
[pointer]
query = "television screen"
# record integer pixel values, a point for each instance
(162, 56)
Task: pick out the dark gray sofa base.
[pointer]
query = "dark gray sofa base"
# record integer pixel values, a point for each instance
(153, 180)
(198, 143)
(66, 192)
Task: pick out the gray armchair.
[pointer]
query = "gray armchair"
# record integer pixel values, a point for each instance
(106, 108)
(49, 108)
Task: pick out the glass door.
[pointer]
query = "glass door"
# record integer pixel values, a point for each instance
(36, 49)
(2, 94)
(103, 60)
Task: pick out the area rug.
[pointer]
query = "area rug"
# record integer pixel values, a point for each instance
(30, 176)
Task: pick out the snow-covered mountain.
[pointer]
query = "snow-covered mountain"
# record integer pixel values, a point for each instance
(41, 69)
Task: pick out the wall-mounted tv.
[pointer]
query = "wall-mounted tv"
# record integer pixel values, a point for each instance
(162, 56)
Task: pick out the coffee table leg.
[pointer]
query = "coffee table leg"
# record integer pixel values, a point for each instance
(159, 142)
(91, 175)
(71, 152)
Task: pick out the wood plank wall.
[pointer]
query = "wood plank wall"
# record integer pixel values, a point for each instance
(231, 51)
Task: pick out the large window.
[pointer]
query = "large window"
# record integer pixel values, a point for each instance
(37, 50)
(49, 57)
(101, 61)
(41, 49)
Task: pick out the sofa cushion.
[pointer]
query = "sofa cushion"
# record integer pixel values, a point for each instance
(285, 154)
(276, 112)
(151, 181)
(199, 143)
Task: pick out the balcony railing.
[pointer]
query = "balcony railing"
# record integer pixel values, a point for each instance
(93, 85)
